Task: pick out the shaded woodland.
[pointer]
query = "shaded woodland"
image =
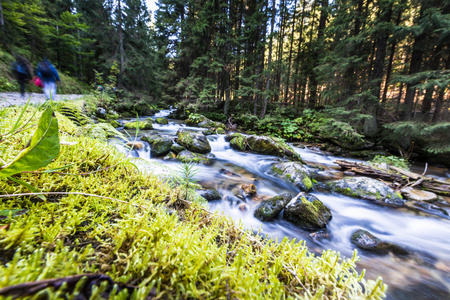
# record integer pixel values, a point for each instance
(366, 62)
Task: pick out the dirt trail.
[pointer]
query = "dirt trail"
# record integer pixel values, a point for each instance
(10, 98)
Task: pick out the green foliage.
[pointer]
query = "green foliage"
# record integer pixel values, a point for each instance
(42, 149)
(434, 138)
(391, 161)
(215, 116)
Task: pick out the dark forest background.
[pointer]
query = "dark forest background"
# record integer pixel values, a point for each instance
(374, 64)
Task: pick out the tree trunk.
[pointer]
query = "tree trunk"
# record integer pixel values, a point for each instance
(269, 62)
(391, 60)
(121, 49)
(416, 62)
(440, 98)
(316, 53)
(370, 125)
(290, 54)
(297, 63)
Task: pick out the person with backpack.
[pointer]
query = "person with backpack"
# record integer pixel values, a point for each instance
(48, 75)
(22, 70)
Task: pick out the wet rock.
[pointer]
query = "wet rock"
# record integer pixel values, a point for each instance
(195, 142)
(270, 209)
(367, 241)
(348, 173)
(418, 195)
(429, 208)
(220, 130)
(271, 146)
(160, 146)
(320, 235)
(188, 156)
(170, 156)
(135, 145)
(249, 189)
(209, 132)
(162, 121)
(308, 212)
(143, 125)
(239, 142)
(101, 112)
(203, 122)
(368, 189)
(210, 195)
(243, 207)
(177, 148)
(295, 173)
(228, 173)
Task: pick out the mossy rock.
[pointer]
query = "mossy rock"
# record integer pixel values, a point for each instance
(220, 130)
(239, 143)
(272, 146)
(102, 131)
(229, 137)
(209, 132)
(268, 210)
(195, 142)
(159, 146)
(143, 125)
(176, 148)
(368, 189)
(162, 121)
(308, 212)
(188, 156)
(295, 173)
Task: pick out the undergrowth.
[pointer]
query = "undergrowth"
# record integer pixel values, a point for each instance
(142, 233)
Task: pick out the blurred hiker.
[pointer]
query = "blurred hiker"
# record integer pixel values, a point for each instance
(48, 75)
(22, 70)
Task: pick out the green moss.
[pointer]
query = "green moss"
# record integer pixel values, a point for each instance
(143, 233)
(307, 182)
(143, 125)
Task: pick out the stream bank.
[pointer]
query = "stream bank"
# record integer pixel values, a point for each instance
(419, 231)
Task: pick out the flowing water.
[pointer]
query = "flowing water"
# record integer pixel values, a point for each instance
(423, 275)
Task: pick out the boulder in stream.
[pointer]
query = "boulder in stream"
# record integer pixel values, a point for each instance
(160, 145)
(176, 148)
(368, 189)
(210, 195)
(308, 212)
(418, 195)
(238, 142)
(195, 142)
(295, 173)
(248, 189)
(188, 156)
(143, 124)
(271, 146)
(162, 121)
(135, 145)
(270, 209)
(367, 241)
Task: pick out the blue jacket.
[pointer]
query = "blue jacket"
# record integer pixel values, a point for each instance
(51, 77)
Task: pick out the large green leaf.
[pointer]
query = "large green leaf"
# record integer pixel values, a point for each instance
(43, 148)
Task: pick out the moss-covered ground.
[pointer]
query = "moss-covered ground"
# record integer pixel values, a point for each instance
(105, 216)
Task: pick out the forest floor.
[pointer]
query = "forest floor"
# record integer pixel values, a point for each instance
(11, 98)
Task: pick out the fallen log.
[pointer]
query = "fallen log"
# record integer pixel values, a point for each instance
(399, 178)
